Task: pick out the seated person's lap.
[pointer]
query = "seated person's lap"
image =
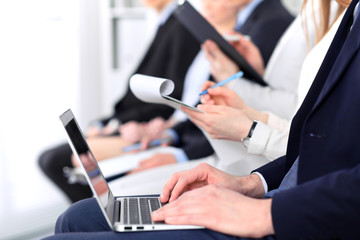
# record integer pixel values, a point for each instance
(84, 220)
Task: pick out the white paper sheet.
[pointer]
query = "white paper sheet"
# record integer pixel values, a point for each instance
(155, 90)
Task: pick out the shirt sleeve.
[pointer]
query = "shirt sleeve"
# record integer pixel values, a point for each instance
(180, 156)
(262, 180)
(276, 122)
(279, 101)
(267, 141)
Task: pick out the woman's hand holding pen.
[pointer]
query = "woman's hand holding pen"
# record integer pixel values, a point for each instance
(227, 97)
(221, 96)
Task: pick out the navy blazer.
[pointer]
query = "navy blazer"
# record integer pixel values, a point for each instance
(325, 136)
(265, 25)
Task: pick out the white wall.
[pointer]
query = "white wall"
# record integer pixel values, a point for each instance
(39, 80)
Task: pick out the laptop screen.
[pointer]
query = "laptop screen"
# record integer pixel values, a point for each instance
(84, 154)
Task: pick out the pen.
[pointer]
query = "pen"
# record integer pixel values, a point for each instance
(222, 83)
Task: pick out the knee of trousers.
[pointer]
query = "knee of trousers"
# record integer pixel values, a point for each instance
(82, 216)
(69, 220)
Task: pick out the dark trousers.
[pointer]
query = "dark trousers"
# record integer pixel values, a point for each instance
(84, 220)
(52, 163)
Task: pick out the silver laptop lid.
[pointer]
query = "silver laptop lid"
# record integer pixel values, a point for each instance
(94, 176)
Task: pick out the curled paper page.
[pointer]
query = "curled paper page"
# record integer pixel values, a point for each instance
(155, 90)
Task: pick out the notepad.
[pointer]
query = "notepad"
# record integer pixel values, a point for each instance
(156, 90)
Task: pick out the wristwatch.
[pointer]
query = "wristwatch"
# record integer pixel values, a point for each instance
(252, 129)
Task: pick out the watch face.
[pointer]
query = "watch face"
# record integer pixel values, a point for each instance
(252, 129)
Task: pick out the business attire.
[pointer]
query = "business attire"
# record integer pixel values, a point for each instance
(265, 24)
(271, 139)
(280, 97)
(169, 55)
(324, 136)
(323, 144)
(192, 146)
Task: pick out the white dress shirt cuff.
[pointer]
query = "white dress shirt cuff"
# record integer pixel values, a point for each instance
(263, 181)
(260, 138)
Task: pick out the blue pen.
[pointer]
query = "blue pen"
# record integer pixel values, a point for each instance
(222, 83)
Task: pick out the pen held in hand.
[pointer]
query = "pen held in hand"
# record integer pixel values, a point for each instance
(222, 83)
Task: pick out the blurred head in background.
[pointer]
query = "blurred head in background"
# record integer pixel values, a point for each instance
(220, 14)
(158, 5)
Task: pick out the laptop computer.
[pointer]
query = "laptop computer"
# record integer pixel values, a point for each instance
(122, 213)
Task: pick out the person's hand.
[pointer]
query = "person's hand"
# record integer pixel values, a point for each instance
(157, 160)
(144, 132)
(221, 210)
(203, 175)
(155, 129)
(221, 67)
(93, 131)
(97, 129)
(132, 131)
(221, 122)
(250, 52)
(221, 96)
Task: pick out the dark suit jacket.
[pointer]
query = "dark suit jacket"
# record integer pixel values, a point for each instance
(325, 136)
(265, 26)
(169, 56)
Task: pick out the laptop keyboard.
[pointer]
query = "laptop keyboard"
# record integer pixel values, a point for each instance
(139, 210)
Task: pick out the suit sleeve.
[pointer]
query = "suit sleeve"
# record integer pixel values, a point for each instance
(273, 172)
(334, 196)
(192, 141)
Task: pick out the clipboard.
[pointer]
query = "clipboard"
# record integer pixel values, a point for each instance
(202, 30)
(156, 90)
